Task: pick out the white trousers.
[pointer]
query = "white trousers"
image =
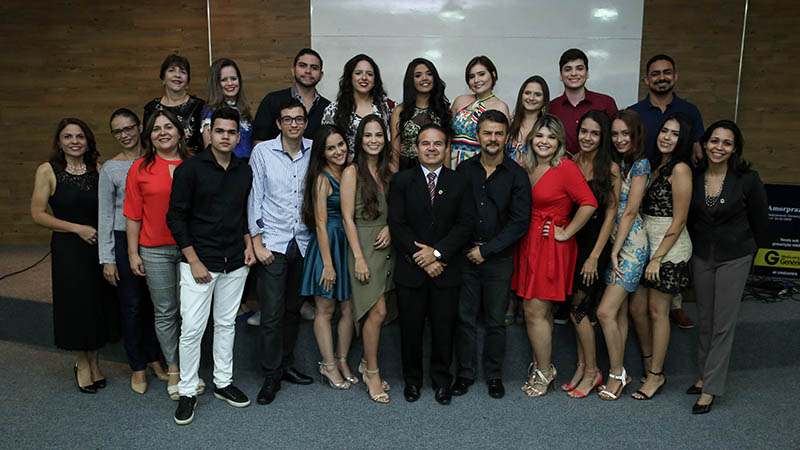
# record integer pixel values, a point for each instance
(226, 290)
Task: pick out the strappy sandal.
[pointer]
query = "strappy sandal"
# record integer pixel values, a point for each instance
(567, 387)
(624, 379)
(644, 376)
(531, 375)
(323, 377)
(362, 366)
(352, 379)
(639, 395)
(541, 380)
(575, 393)
(172, 390)
(383, 397)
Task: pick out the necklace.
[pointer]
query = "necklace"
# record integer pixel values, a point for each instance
(76, 170)
(712, 200)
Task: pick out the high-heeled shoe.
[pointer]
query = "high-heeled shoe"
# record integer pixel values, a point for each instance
(639, 395)
(323, 376)
(540, 380)
(86, 390)
(567, 387)
(702, 409)
(139, 387)
(643, 378)
(383, 397)
(172, 390)
(531, 375)
(352, 379)
(694, 389)
(624, 379)
(575, 393)
(362, 366)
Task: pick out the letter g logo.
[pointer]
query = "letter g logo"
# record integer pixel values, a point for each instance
(772, 257)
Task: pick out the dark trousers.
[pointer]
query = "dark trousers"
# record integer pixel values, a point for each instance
(136, 310)
(441, 305)
(487, 286)
(719, 286)
(279, 294)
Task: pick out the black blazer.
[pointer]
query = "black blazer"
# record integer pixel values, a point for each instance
(446, 225)
(738, 225)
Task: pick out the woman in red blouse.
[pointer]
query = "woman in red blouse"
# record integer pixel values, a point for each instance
(546, 255)
(151, 249)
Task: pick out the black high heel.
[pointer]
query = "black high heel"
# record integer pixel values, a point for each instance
(91, 389)
(639, 395)
(702, 409)
(100, 384)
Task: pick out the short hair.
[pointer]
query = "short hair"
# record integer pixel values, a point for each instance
(125, 112)
(176, 60)
(307, 51)
(659, 57)
(492, 115)
(432, 126)
(225, 113)
(290, 103)
(484, 61)
(552, 123)
(571, 55)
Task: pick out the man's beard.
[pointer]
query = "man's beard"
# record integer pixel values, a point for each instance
(300, 81)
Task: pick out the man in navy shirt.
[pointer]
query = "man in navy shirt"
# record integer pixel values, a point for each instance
(661, 76)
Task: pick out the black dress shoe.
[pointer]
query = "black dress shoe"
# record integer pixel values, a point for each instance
(411, 393)
(294, 376)
(702, 409)
(694, 390)
(496, 389)
(267, 393)
(100, 384)
(91, 389)
(461, 386)
(443, 396)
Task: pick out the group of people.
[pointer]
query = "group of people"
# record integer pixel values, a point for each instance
(424, 209)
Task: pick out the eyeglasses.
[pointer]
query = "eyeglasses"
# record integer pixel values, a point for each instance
(287, 120)
(127, 130)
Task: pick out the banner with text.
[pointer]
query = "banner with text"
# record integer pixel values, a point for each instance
(782, 258)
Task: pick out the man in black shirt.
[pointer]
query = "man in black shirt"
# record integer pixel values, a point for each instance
(502, 194)
(307, 73)
(208, 218)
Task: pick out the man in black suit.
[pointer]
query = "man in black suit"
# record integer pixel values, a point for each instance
(431, 218)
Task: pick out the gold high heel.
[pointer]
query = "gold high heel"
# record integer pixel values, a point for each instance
(540, 380)
(383, 397)
(362, 366)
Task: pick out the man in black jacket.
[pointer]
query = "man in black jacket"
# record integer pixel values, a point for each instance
(431, 218)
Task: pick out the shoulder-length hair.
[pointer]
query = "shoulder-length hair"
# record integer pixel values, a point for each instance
(366, 183)
(147, 142)
(438, 101)
(89, 156)
(553, 124)
(519, 110)
(345, 100)
(216, 96)
(638, 135)
(316, 164)
(735, 163)
(485, 62)
(601, 164)
(683, 148)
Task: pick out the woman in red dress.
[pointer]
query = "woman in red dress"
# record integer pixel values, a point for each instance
(546, 255)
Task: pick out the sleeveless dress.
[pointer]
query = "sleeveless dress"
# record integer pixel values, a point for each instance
(586, 238)
(635, 250)
(380, 263)
(657, 213)
(464, 144)
(85, 310)
(409, 132)
(312, 267)
(516, 150)
(543, 267)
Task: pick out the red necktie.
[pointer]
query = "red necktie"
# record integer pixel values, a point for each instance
(432, 185)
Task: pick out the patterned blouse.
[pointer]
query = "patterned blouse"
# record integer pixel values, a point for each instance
(385, 113)
(410, 131)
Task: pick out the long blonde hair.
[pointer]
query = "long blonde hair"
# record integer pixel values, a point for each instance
(553, 124)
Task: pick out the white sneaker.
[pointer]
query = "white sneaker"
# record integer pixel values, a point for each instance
(255, 319)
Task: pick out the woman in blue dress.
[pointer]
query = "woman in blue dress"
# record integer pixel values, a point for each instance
(325, 274)
(630, 250)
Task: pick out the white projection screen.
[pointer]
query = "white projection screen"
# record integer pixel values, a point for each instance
(522, 37)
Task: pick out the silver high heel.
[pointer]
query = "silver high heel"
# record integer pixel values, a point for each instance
(323, 376)
(352, 379)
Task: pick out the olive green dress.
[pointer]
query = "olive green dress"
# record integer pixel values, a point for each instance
(380, 263)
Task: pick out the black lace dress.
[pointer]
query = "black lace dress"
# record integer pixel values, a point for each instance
(657, 214)
(85, 310)
(586, 238)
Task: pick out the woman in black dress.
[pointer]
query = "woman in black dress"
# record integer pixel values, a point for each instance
(85, 313)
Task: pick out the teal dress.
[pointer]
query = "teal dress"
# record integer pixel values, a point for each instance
(312, 268)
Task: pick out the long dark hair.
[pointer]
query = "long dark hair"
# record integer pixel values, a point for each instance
(638, 138)
(683, 148)
(147, 142)
(601, 164)
(89, 156)
(519, 110)
(316, 164)
(366, 183)
(216, 97)
(735, 163)
(438, 101)
(345, 101)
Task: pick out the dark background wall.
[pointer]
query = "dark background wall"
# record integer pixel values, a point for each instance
(84, 58)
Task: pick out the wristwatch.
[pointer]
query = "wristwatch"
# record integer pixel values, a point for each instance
(436, 254)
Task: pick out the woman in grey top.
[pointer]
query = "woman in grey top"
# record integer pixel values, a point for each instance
(136, 309)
